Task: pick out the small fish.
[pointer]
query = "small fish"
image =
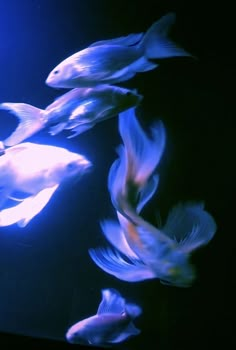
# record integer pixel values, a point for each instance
(78, 110)
(112, 324)
(36, 171)
(116, 60)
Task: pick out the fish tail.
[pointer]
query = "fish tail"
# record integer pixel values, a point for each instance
(31, 120)
(157, 45)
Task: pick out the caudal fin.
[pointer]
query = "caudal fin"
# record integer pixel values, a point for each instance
(157, 45)
(31, 121)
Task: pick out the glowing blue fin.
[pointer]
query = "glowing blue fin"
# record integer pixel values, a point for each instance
(115, 235)
(80, 129)
(147, 192)
(56, 129)
(142, 65)
(128, 332)
(143, 153)
(128, 40)
(156, 43)
(112, 302)
(125, 270)
(190, 226)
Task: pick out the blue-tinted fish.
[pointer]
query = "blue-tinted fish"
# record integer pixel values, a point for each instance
(115, 60)
(78, 110)
(146, 252)
(35, 172)
(112, 324)
(143, 251)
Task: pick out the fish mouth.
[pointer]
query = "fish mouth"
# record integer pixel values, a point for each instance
(86, 164)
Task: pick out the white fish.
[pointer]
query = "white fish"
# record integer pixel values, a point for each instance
(35, 171)
(112, 324)
(115, 60)
(78, 110)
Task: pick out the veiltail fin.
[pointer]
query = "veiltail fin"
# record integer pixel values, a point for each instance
(129, 270)
(133, 310)
(112, 302)
(31, 121)
(142, 152)
(190, 226)
(156, 43)
(115, 235)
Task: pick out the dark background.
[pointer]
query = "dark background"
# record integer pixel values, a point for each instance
(47, 280)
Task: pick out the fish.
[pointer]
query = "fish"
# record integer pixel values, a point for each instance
(139, 253)
(116, 60)
(139, 250)
(113, 322)
(78, 110)
(34, 172)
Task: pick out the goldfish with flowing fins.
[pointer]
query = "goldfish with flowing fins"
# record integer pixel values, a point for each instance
(140, 250)
(112, 324)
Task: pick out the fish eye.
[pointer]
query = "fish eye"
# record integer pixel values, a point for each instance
(71, 166)
(56, 71)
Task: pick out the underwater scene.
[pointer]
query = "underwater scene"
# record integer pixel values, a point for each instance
(117, 174)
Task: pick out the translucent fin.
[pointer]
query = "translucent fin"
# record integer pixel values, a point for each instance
(125, 270)
(128, 40)
(156, 43)
(143, 153)
(129, 331)
(122, 75)
(133, 310)
(31, 121)
(112, 302)
(115, 235)
(142, 65)
(190, 225)
(147, 192)
(27, 209)
(56, 129)
(80, 129)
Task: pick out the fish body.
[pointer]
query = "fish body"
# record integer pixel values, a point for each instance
(77, 110)
(112, 323)
(116, 60)
(36, 171)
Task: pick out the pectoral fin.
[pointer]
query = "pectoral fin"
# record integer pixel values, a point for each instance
(56, 129)
(27, 209)
(80, 129)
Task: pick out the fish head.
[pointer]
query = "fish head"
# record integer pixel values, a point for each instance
(70, 165)
(73, 72)
(75, 335)
(125, 98)
(62, 76)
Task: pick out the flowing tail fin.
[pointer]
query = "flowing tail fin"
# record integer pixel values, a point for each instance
(31, 120)
(157, 45)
